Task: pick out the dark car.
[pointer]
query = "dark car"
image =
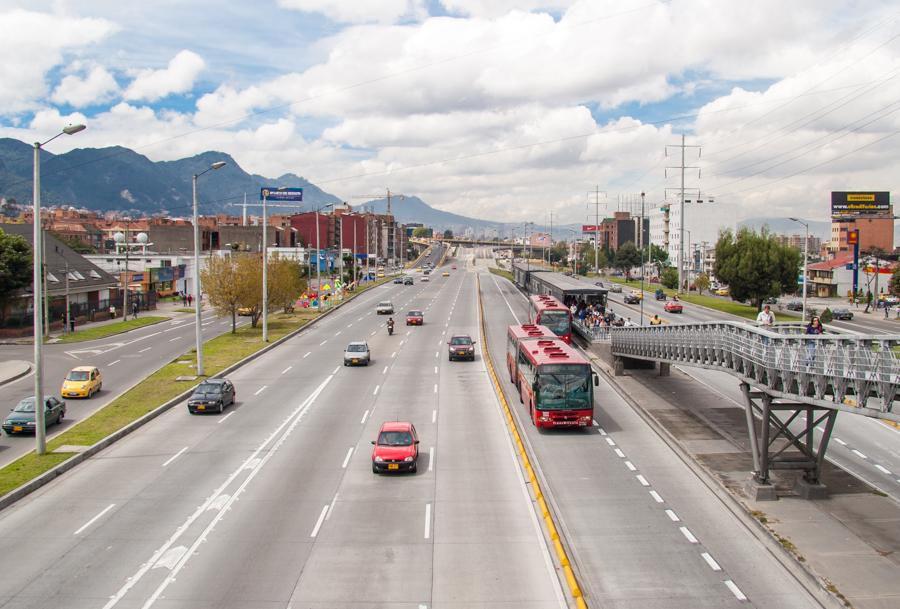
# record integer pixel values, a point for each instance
(415, 318)
(461, 346)
(21, 418)
(407, 281)
(632, 299)
(212, 395)
(396, 449)
(794, 305)
(398, 280)
(842, 313)
(660, 295)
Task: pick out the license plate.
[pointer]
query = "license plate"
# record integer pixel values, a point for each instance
(393, 466)
(201, 407)
(17, 429)
(460, 352)
(356, 361)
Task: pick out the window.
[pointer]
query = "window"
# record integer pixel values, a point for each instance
(78, 275)
(52, 278)
(94, 274)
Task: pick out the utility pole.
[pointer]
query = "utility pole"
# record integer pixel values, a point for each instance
(642, 259)
(682, 167)
(66, 329)
(596, 194)
(244, 212)
(125, 291)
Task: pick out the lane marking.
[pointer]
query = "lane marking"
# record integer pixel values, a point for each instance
(642, 480)
(307, 355)
(858, 454)
(630, 466)
(437, 353)
(711, 562)
(883, 469)
(260, 390)
(439, 342)
(610, 441)
(427, 520)
(114, 363)
(619, 453)
(222, 420)
(393, 355)
(839, 441)
(373, 332)
(673, 516)
(385, 370)
(365, 415)
(602, 432)
(430, 458)
(95, 518)
(336, 370)
(338, 333)
(323, 342)
(331, 506)
(435, 370)
(735, 590)
(347, 458)
(145, 349)
(434, 416)
(595, 423)
(376, 389)
(286, 369)
(435, 387)
(172, 340)
(687, 534)
(175, 456)
(319, 522)
(656, 497)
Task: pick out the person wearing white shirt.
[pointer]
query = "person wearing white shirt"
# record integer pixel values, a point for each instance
(765, 318)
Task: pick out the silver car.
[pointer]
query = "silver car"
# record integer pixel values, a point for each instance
(357, 354)
(385, 307)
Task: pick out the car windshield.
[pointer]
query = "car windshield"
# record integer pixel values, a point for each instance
(414, 314)
(356, 348)
(385, 303)
(562, 386)
(208, 388)
(78, 375)
(27, 405)
(460, 340)
(557, 321)
(394, 438)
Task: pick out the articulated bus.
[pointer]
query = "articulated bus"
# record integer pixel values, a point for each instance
(545, 310)
(517, 334)
(556, 383)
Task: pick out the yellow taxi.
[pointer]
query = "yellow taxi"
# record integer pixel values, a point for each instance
(445, 274)
(244, 311)
(82, 382)
(722, 292)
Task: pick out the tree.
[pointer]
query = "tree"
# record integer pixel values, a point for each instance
(285, 284)
(448, 234)
(755, 266)
(422, 232)
(669, 277)
(895, 281)
(657, 256)
(626, 258)
(702, 282)
(221, 284)
(15, 266)
(559, 252)
(587, 259)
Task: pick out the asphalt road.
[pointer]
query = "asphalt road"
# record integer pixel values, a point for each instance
(864, 447)
(645, 531)
(274, 503)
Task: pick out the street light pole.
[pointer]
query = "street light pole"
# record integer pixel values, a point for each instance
(37, 276)
(806, 262)
(641, 240)
(198, 333)
(319, 259)
(265, 270)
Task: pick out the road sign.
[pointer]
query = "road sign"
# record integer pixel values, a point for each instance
(281, 194)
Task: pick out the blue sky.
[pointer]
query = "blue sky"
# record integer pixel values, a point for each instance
(496, 108)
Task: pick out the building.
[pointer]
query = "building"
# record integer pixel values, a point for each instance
(796, 241)
(90, 290)
(831, 278)
(876, 232)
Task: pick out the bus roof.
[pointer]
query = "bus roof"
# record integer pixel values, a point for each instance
(553, 352)
(530, 331)
(545, 301)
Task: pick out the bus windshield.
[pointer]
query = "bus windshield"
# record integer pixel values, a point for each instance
(557, 321)
(564, 387)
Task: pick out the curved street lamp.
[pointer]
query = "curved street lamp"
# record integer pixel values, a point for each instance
(198, 334)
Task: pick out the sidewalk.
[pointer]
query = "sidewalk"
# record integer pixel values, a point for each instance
(846, 546)
(12, 370)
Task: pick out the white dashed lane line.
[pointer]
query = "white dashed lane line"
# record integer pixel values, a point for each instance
(688, 535)
(114, 363)
(145, 349)
(175, 456)
(711, 562)
(222, 420)
(286, 369)
(858, 454)
(260, 390)
(95, 518)
(307, 355)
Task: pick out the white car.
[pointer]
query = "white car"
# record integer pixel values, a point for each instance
(385, 307)
(425, 278)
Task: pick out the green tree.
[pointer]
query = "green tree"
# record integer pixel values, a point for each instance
(626, 258)
(895, 281)
(222, 287)
(702, 282)
(448, 234)
(656, 256)
(559, 252)
(422, 232)
(755, 266)
(15, 266)
(285, 284)
(669, 277)
(587, 259)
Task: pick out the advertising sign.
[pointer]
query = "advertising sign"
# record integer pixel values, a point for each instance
(281, 194)
(850, 205)
(589, 228)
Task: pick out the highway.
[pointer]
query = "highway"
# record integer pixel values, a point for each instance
(274, 503)
(865, 447)
(644, 530)
(123, 360)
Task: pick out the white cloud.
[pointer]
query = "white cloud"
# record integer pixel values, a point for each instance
(496, 8)
(97, 86)
(31, 44)
(177, 77)
(360, 11)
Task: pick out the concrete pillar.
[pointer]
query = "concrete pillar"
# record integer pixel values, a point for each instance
(664, 368)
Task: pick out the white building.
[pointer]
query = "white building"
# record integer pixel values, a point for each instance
(658, 230)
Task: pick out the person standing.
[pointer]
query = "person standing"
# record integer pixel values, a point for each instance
(813, 328)
(765, 319)
(190, 299)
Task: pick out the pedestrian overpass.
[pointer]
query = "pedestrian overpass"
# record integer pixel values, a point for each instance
(787, 378)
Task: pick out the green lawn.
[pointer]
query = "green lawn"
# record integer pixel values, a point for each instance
(102, 331)
(725, 305)
(502, 273)
(185, 310)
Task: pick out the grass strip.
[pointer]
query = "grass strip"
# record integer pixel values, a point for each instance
(156, 389)
(731, 307)
(502, 273)
(112, 329)
(185, 310)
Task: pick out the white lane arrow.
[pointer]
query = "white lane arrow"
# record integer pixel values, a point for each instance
(170, 558)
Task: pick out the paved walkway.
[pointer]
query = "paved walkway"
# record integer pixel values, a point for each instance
(13, 369)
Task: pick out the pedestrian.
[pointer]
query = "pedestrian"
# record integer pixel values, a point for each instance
(190, 299)
(814, 327)
(184, 301)
(655, 320)
(765, 318)
(134, 309)
(887, 309)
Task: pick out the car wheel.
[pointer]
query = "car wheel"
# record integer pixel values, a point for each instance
(221, 406)
(414, 468)
(374, 469)
(60, 417)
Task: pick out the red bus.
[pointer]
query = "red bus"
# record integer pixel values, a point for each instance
(517, 334)
(555, 383)
(547, 311)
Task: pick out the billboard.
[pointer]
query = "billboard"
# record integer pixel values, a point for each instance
(850, 205)
(589, 228)
(280, 194)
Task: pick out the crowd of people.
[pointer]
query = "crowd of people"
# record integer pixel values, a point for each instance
(596, 315)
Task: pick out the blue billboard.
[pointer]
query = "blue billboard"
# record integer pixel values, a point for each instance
(281, 194)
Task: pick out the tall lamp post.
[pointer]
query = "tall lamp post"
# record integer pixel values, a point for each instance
(37, 276)
(806, 262)
(319, 259)
(198, 334)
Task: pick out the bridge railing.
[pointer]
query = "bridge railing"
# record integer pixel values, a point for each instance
(848, 371)
(595, 334)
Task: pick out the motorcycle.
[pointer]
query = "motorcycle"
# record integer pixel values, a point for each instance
(390, 328)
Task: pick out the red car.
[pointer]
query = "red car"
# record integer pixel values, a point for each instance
(673, 306)
(396, 449)
(453, 267)
(415, 318)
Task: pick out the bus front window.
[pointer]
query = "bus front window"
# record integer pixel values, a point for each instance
(564, 387)
(557, 321)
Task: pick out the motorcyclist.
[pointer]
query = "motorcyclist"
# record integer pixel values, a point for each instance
(390, 325)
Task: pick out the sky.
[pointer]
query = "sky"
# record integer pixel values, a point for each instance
(499, 109)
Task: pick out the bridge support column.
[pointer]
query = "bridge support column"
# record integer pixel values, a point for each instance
(664, 368)
(770, 445)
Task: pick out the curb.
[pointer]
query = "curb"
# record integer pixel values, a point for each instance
(810, 581)
(551, 529)
(17, 376)
(32, 485)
